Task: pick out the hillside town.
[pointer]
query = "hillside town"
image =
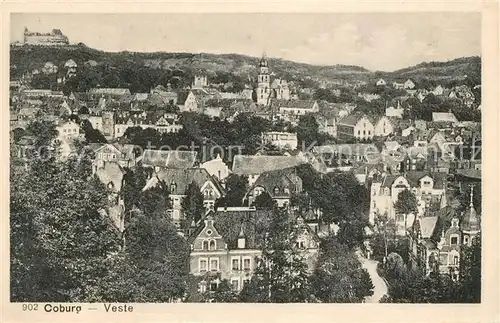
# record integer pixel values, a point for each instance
(269, 191)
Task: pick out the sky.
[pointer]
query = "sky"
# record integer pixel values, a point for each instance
(376, 41)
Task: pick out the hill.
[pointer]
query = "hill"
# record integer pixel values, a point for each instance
(142, 71)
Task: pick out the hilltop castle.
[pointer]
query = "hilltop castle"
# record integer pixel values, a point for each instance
(54, 38)
(266, 90)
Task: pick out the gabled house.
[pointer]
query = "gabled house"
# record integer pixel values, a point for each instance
(381, 82)
(396, 112)
(355, 126)
(178, 180)
(220, 251)
(384, 193)
(436, 241)
(409, 84)
(279, 184)
(383, 127)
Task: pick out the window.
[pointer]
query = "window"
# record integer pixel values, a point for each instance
(359, 132)
(212, 245)
(300, 244)
(203, 265)
(202, 287)
(286, 190)
(454, 240)
(246, 263)
(235, 264)
(205, 245)
(213, 286)
(235, 284)
(276, 190)
(214, 264)
(466, 240)
(455, 260)
(369, 132)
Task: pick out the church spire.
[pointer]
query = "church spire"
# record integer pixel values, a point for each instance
(471, 195)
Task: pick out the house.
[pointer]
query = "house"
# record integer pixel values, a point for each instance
(383, 127)
(355, 126)
(195, 99)
(438, 90)
(168, 159)
(163, 122)
(254, 166)
(436, 241)
(407, 131)
(381, 82)
(327, 125)
(282, 140)
(279, 184)
(68, 130)
(398, 86)
(344, 156)
(447, 118)
(409, 85)
(368, 172)
(114, 92)
(295, 107)
(217, 168)
(426, 186)
(178, 180)
(123, 155)
(396, 112)
(223, 252)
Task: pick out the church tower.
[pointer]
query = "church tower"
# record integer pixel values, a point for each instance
(264, 82)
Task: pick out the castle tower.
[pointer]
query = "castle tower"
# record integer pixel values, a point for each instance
(200, 81)
(263, 90)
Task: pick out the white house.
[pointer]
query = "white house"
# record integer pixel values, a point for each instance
(217, 168)
(381, 82)
(355, 126)
(394, 112)
(383, 127)
(409, 85)
(428, 187)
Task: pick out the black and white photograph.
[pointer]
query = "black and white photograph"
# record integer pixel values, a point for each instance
(245, 158)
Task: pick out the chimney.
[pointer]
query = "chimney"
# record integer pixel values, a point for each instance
(241, 239)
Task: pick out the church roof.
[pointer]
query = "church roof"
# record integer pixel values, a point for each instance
(470, 219)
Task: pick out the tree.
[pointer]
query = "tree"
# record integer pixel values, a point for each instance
(338, 277)
(192, 204)
(160, 256)
(236, 188)
(92, 135)
(263, 201)
(470, 272)
(406, 204)
(307, 131)
(281, 275)
(72, 234)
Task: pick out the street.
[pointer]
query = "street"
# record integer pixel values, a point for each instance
(380, 288)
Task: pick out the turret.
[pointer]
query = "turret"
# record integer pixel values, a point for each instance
(241, 239)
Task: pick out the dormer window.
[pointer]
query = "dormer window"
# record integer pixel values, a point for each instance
(276, 190)
(286, 190)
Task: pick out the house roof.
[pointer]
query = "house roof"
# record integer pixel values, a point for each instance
(253, 223)
(281, 178)
(443, 117)
(471, 173)
(414, 177)
(182, 178)
(169, 158)
(248, 165)
(347, 149)
(427, 225)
